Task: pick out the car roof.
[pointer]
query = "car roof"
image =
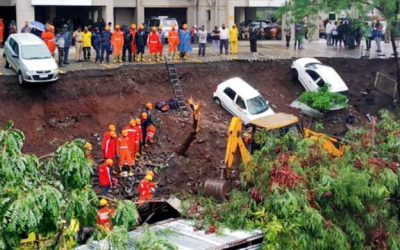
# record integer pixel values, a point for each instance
(306, 60)
(275, 121)
(27, 39)
(239, 86)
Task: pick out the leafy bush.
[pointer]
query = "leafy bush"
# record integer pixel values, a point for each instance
(154, 241)
(302, 198)
(323, 99)
(126, 215)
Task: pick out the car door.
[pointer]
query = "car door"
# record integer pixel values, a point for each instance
(240, 109)
(313, 80)
(264, 29)
(14, 61)
(228, 96)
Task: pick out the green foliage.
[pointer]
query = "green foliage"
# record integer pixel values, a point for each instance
(118, 238)
(126, 215)
(339, 203)
(37, 197)
(323, 100)
(153, 240)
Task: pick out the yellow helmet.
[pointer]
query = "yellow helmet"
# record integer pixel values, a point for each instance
(103, 203)
(141, 26)
(124, 132)
(109, 162)
(160, 27)
(148, 178)
(88, 146)
(107, 28)
(133, 26)
(150, 172)
(173, 26)
(154, 28)
(149, 105)
(138, 121)
(117, 27)
(113, 134)
(111, 127)
(184, 26)
(132, 122)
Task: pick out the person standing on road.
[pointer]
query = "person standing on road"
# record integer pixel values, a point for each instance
(367, 33)
(378, 35)
(288, 35)
(117, 41)
(1, 31)
(104, 174)
(215, 39)
(140, 40)
(78, 44)
(105, 44)
(173, 42)
(224, 39)
(48, 39)
(153, 42)
(60, 43)
(328, 30)
(253, 40)
(298, 36)
(185, 46)
(67, 42)
(26, 28)
(340, 34)
(127, 45)
(86, 43)
(335, 34)
(202, 41)
(133, 42)
(234, 39)
(162, 42)
(12, 28)
(96, 44)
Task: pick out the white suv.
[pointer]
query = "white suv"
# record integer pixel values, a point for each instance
(241, 100)
(29, 56)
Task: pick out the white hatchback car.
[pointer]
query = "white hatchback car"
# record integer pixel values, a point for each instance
(29, 56)
(312, 74)
(241, 100)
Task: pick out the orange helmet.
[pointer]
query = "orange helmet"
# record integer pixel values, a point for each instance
(124, 132)
(109, 162)
(138, 121)
(111, 127)
(149, 106)
(133, 26)
(117, 27)
(113, 134)
(144, 115)
(132, 122)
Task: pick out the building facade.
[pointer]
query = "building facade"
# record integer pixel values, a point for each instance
(193, 12)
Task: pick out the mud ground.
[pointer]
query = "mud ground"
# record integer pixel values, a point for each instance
(82, 104)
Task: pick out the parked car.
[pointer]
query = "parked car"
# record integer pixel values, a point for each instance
(266, 29)
(165, 21)
(312, 74)
(241, 100)
(29, 56)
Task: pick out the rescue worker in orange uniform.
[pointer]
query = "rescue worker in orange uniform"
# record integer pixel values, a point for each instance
(146, 188)
(132, 135)
(104, 215)
(104, 173)
(148, 129)
(117, 41)
(139, 137)
(49, 39)
(173, 42)
(133, 45)
(153, 42)
(110, 147)
(106, 136)
(1, 31)
(125, 157)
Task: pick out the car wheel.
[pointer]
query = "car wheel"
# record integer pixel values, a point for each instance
(217, 101)
(6, 64)
(20, 78)
(295, 75)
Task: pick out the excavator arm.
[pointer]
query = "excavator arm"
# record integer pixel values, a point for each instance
(327, 142)
(235, 144)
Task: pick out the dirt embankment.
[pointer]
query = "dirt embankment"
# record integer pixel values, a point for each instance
(83, 103)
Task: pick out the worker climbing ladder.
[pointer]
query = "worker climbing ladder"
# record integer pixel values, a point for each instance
(176, 85)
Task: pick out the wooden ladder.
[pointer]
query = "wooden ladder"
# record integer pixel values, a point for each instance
(176, 85)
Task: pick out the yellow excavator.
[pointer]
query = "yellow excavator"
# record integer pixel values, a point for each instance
(280, 123)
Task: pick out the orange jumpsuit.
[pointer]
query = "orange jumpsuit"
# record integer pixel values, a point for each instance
(153, 42)
(146, 189)
(1, 32)
(133, 46)
(173, 40)
(139, 137)
(103, 217)
(151, 131)
(125, 157)
(48, 38)
(117, 41)
(132, 135)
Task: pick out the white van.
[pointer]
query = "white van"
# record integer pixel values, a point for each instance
(241, 100)
(166, 23)
(29, 56)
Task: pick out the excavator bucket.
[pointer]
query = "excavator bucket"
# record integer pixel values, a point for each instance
(217, 189)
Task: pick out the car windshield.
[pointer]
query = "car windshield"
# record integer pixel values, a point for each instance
(154, 22)
(257, 105)
(312, 65)
(31, 52)
(169, 22)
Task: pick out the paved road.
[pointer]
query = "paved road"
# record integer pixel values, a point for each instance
(267, 50)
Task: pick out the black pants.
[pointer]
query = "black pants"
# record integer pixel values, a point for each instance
(127, 50)
(253, 45)
(334, 39)
(223, 43)
(288, 41)
(368, 42)
(86, 53)
(297, 42)
(60, 56)
(339, 40)
(202, 49)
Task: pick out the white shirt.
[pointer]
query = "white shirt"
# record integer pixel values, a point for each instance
(329, 28)
(224, 34)
(202, 36)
